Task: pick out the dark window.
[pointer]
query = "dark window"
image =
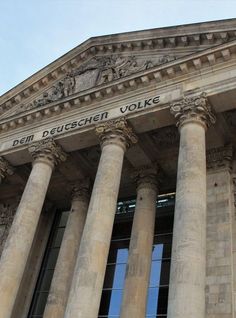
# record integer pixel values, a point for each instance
(118, 257)
(117, 260)
(48, 266)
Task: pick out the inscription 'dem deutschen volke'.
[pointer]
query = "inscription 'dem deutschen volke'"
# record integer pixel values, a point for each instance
(88, 120)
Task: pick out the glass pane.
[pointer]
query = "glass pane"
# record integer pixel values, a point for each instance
(152, 301)
(165, 272)
(39, 305)
(157, 251)
(111, 303)
(64, 218)
(115, 276)
(122, 255)
(46, 280)
(115, 302)
(155, 274)
(162, 300)
(52, 258)
(58, 237)
(167, 250)
(119, 251)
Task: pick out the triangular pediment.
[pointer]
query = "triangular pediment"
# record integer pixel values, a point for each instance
(103, 60)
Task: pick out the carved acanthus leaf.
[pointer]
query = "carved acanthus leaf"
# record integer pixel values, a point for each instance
(47, 149)
(194, 108)
(81, 189)
(147, 176)
(116, 129)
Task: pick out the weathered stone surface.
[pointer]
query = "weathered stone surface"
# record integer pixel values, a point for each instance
(7, 213)
(134, 302)
(92, 258)
(138, 75)
(220, 244)
(62, 278)
(21, 235)
(188, 265)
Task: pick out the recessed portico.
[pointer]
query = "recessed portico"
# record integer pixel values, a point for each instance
(129, 100)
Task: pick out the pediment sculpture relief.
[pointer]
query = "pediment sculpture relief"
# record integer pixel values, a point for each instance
(97, 71)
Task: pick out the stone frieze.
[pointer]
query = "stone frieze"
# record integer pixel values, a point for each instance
(97, 71)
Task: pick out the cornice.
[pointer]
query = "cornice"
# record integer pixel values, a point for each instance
(162, 73)
(104, 45)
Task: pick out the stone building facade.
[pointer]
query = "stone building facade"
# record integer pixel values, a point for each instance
(118, 185)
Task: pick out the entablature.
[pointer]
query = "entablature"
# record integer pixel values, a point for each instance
(184, 70)
(188, 39)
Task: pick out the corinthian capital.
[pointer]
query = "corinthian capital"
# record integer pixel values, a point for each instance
(147, 176)
(81, 189)
(195, 108)
(5, 168)
(48, 150)
(116, 131)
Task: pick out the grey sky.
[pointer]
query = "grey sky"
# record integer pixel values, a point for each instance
(33, 33)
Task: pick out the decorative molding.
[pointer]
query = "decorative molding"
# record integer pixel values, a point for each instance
(156, 74)
(116, 131)
(47, 149)
(81, 190)
(190, 40)
(193, 108)
(220, 157)
(5, 168)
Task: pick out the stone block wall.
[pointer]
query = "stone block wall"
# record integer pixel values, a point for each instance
(220, 264)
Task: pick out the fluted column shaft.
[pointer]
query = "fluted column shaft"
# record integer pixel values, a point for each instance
(86, 290)
(188, 263)
(21, 235)
(140, 250)
(61, 282)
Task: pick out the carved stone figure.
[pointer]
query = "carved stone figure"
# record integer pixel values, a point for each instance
(44, 100)
(68, 84)
(104, 69)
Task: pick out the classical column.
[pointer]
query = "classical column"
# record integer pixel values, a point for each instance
(63, 273)
(141, 243)
(188, 263)
(5, 169)
(85, 294)
(17, 247)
